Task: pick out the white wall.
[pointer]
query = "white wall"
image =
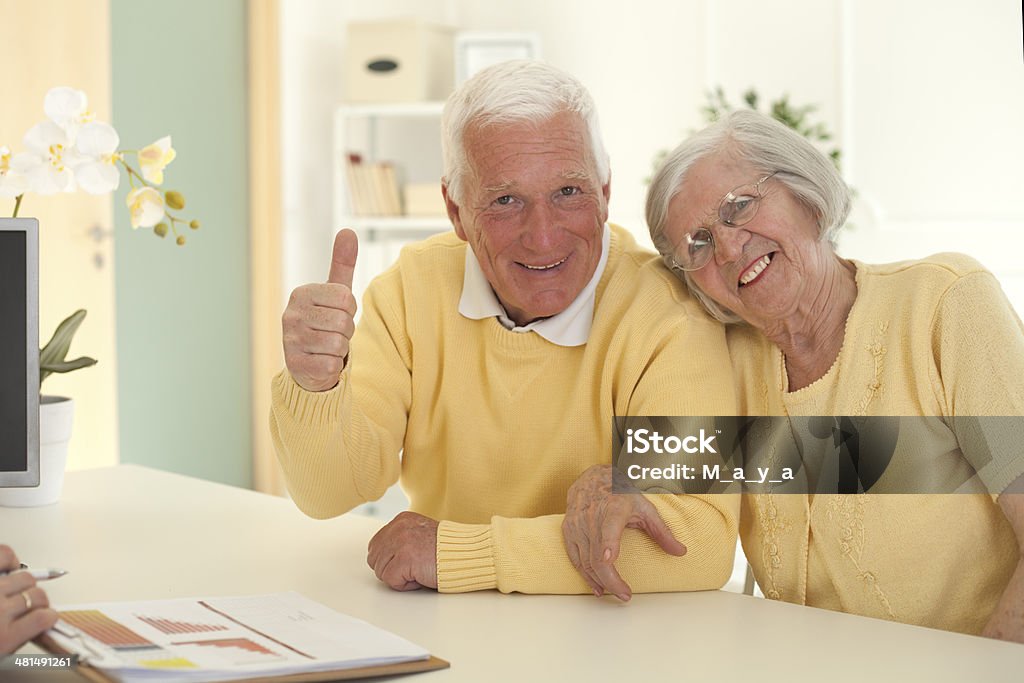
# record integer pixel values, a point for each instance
(935, 128)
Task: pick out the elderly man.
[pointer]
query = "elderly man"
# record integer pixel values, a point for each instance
(494, 359)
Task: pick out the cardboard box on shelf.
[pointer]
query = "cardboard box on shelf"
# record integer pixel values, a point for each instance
(424, 200)
(399, 61)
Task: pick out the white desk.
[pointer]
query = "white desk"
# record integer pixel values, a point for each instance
(130, 533)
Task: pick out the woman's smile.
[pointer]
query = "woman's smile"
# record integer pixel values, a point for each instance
(754, 271)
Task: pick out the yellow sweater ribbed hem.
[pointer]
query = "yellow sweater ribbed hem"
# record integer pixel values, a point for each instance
(465, 558)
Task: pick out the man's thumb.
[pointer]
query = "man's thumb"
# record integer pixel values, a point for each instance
(343, 260)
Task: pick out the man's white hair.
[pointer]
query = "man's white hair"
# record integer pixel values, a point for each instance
(517, 91)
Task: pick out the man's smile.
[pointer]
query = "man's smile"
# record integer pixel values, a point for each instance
(548, 266)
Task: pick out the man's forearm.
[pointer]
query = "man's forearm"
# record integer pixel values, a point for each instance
(528, 555)
(326, 476)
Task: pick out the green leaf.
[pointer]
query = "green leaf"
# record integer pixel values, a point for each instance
(836, 156)
(69, 365)
(51, 356)
(793, 116)
(65, 366)
(750, 97)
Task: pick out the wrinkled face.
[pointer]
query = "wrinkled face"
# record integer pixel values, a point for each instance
(533, 212)
(766, 270)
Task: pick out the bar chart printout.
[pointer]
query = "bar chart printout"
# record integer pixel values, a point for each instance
(170, 626)
(231, 651)
(222, 638)
(104, 629)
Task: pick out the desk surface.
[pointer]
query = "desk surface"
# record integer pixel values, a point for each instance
(131, 533)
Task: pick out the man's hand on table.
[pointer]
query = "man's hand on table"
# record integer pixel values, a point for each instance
(404, 553)
(595, 518)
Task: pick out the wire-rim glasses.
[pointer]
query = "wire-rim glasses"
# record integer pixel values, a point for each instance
(738, 207)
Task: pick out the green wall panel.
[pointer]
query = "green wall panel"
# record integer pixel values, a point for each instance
(179, 68)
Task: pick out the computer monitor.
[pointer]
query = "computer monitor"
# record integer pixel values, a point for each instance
(19, 352)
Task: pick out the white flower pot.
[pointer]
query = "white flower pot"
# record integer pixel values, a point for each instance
(55, 417)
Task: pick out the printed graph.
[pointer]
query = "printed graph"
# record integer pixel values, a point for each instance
(237, 651)
(106, 630)
(171, 663)
(171, 627)
(240, 643)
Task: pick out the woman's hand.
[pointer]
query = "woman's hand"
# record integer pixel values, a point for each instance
(595, 518)
(24, 608)
(1007, 621)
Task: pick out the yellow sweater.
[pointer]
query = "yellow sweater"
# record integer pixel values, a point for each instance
(496, 425)
(936, 338)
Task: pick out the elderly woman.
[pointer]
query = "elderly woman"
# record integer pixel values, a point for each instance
(746, 212)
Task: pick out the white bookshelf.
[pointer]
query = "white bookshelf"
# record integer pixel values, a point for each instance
(394, 223)
(368, 129)
(409, 136)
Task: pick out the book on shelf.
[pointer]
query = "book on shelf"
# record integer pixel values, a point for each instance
(359, 188)
(373, 187)
(281, 636)
(389, 179)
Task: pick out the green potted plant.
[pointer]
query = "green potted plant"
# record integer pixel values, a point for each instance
(796, 117)
(69, 151)
(799, 118)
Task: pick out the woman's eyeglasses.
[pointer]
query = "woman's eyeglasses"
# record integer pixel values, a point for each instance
(737, 207)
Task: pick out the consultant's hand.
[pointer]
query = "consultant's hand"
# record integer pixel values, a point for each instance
(592, 530)
(319, 321)
(24, 608)
(404, 553)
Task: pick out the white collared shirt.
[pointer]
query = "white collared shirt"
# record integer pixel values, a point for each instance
(571, 327)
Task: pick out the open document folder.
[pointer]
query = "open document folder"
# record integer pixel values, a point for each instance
(223, 639)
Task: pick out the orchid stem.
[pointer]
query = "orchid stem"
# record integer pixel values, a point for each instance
(17, 205)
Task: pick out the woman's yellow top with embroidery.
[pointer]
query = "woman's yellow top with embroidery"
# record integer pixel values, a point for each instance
(935, 337)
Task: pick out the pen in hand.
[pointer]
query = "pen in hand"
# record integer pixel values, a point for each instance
(38, 574)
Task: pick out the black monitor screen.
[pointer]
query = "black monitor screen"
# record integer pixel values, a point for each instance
(18, 320)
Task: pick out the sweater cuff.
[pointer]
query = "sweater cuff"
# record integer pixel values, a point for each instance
(308, 407)
(465, 558)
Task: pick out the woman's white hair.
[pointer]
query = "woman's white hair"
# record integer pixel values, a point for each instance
(770, 147)
(513, 92)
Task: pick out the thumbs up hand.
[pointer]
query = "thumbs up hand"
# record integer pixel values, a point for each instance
(318, 323)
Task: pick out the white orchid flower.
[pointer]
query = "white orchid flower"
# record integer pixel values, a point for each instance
(12, 183)
(47, 165)
(154, 159)
(68, 108)
(146, 206)
(95, 164)
(70, 150)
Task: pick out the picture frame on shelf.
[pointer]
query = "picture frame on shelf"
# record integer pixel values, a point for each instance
(476, 50)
